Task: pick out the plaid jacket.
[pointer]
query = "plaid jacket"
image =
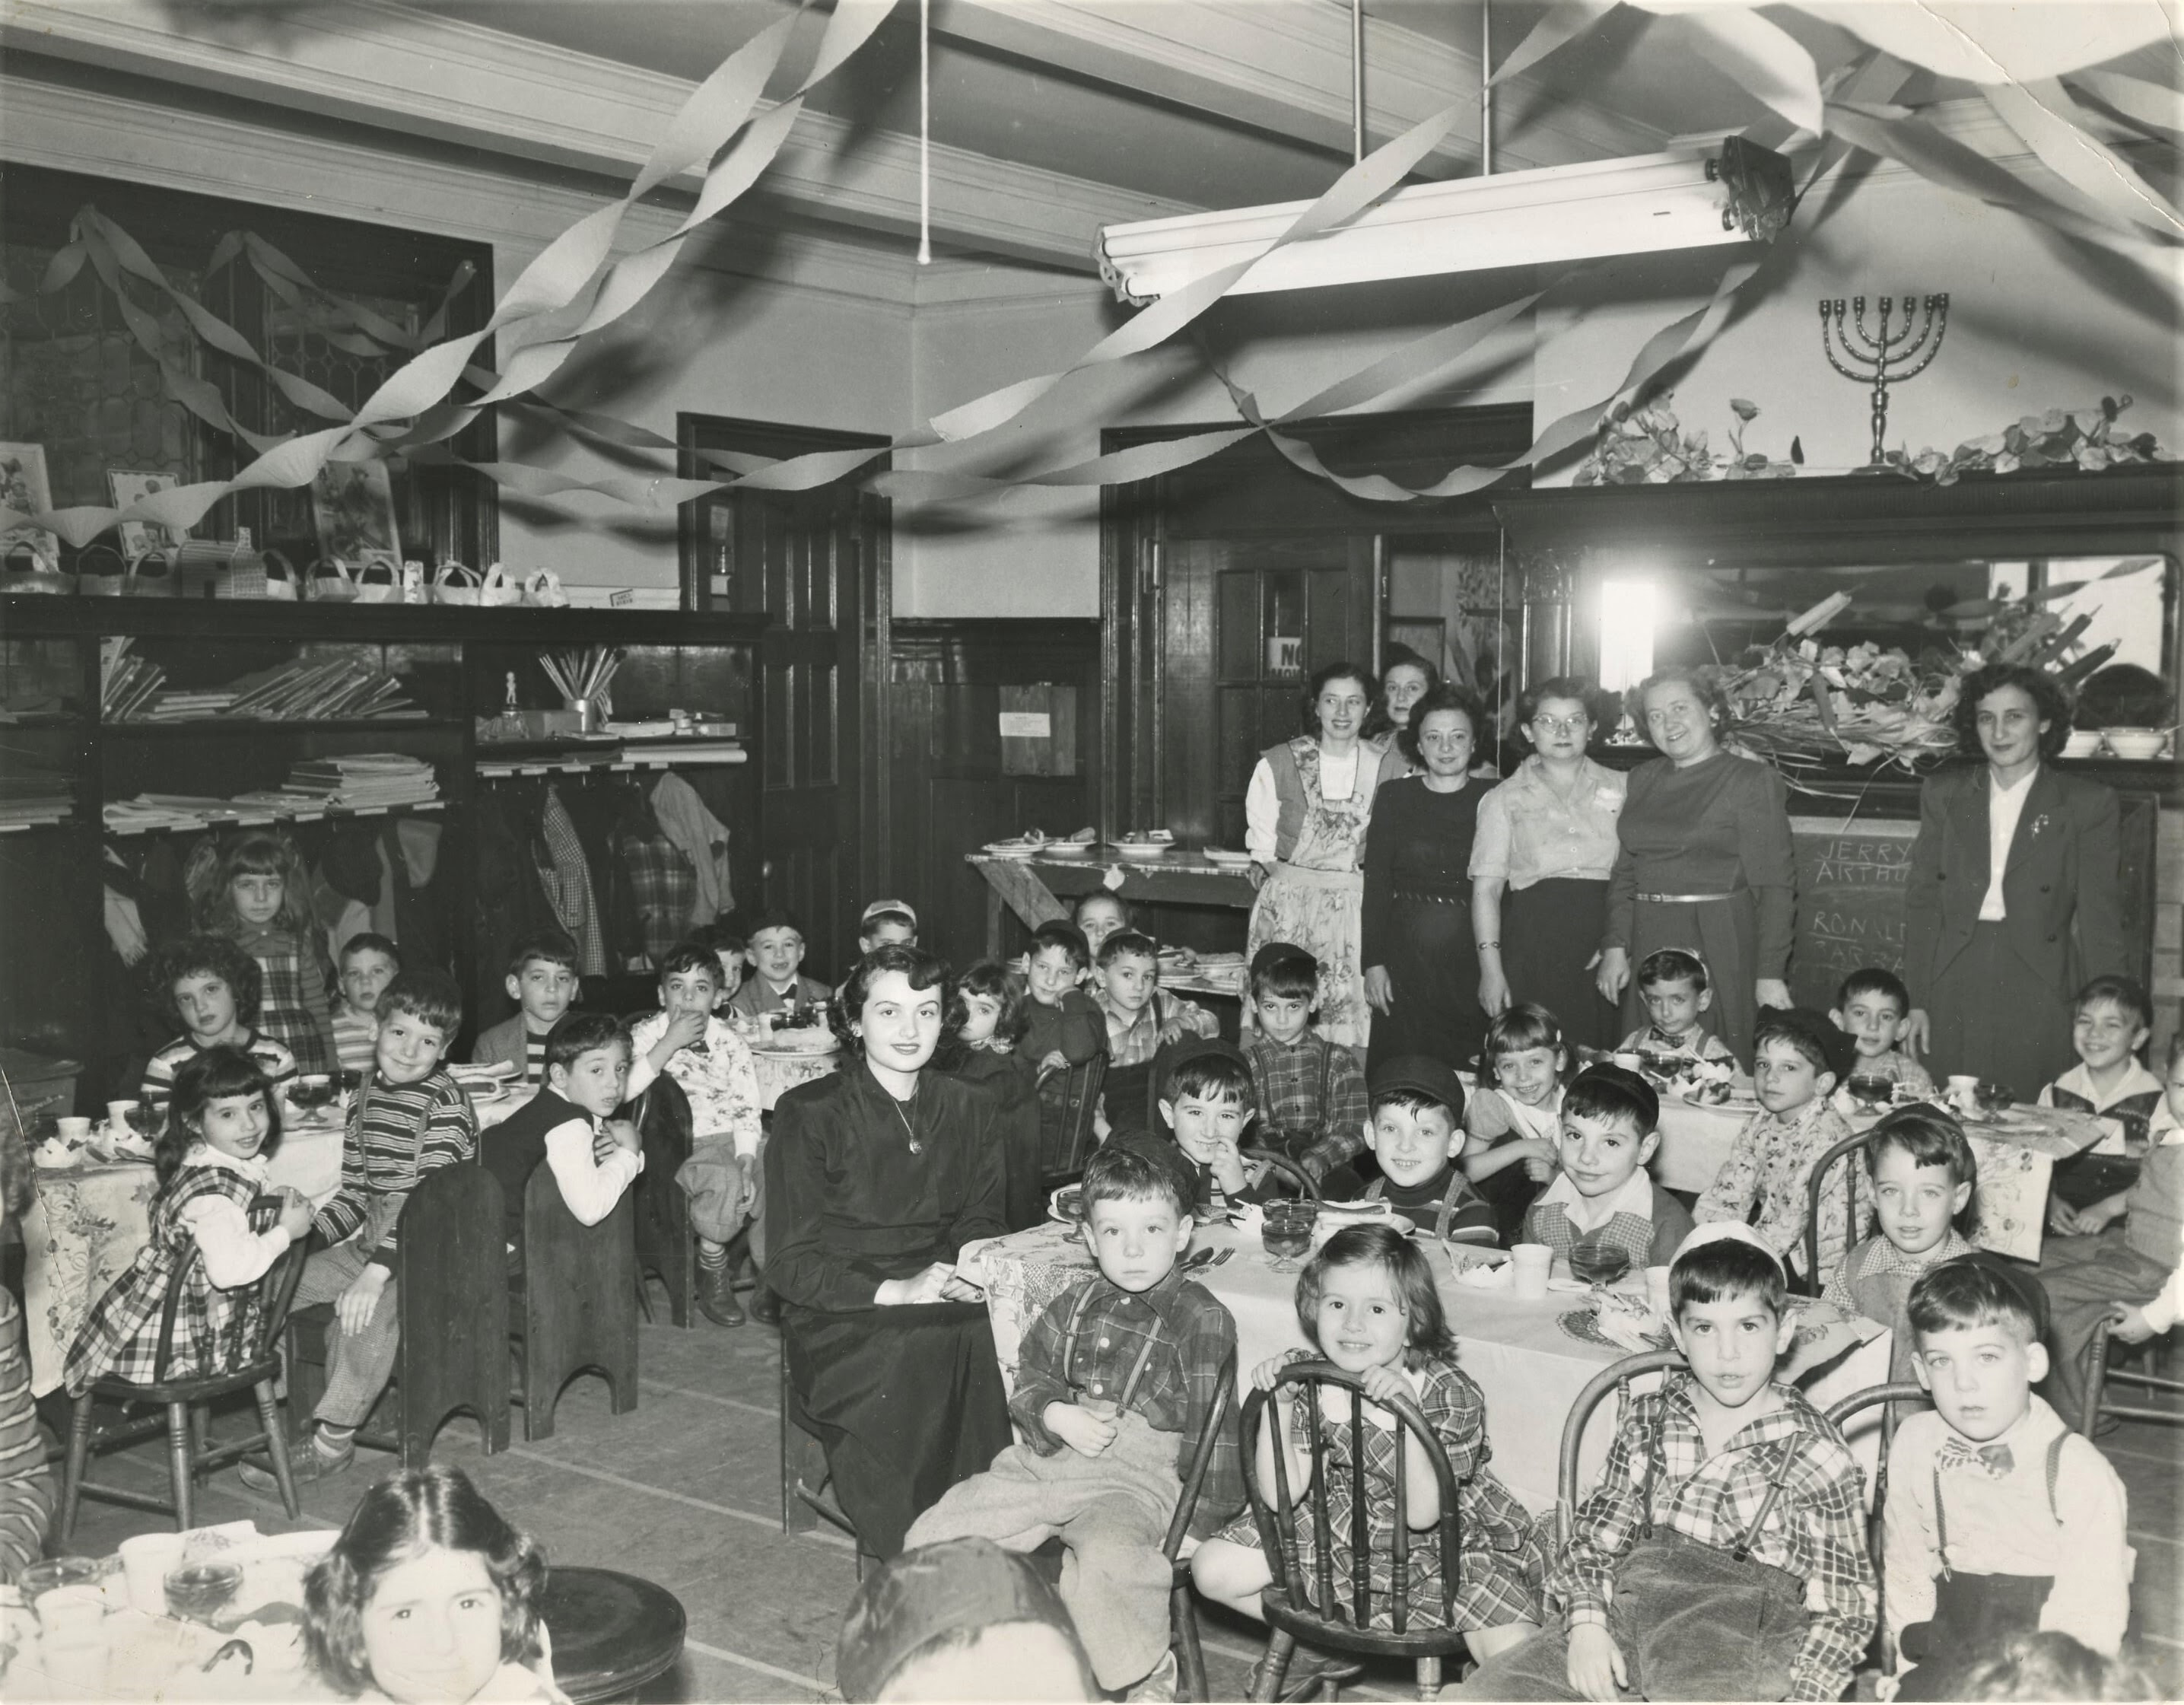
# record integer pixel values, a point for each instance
(1133, 1038)
(26, 1494)
(294, 1010)
(1312, 1104)
(1816, 1530)
(664, 887)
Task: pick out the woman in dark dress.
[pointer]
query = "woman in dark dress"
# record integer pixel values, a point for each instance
(875, 1179)
(1421, 968)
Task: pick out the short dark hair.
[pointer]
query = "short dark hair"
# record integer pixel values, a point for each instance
(1292, 975)
(1929, 1136)
(202, 1079)
(1211, 1074)
(1704, 688)
(555, 946)
(367, 941)
(1586, 692)
(1813, 1034)
(992, 979)
(1118, 1174)
(878, 920)
(1128, 942)
(575, 1033)
(1444, 695)
(1426, 1336)
(2051, 704)
(1055, 932)
(1725, 1268)
(688, 958)
(1414, 1101)
(1607, 1091)
(1336, 671)
(2119, 991)
(428, 993)
(1520, 1028)
(1970, 1292)
(1672, 964)
(722, 937)
(207, 956)
(1874, 979)
(924, 969)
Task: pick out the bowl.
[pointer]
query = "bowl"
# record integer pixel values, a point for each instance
(1992, 1098)
(2082, 742)
(2138, 743)
(1067, 1203)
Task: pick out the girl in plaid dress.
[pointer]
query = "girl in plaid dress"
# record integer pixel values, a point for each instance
(1366, 1302)
(213, 1221)
(255, 891)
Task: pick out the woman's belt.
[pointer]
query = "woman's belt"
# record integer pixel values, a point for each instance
(1685, 898)
(1459, 893)
(1321, 878)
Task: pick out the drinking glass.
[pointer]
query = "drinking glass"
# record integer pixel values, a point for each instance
(1871, 1091)
(200, 1590)
(1598, 1263)
(1287, 1232)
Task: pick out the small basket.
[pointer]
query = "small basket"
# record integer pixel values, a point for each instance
(542, 588)
(497, 591)
(379, 581)
(26, 568)
(455, 583)
(208, 567)
(282, 584)
(328, 581)
(150, 575)
(93, 579)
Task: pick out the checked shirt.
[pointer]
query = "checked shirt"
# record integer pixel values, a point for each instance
(1312, 1104)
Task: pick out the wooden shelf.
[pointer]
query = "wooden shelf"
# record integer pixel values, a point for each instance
(272, 725)
(415, 624)
(258, 819)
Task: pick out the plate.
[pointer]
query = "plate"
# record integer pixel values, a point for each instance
(46, 1163)
(1065, 850)
(1581, 1324)
(1018, 850)
(488, 1068)
(1142, 849)
(1225, 856)
(1067, 1203)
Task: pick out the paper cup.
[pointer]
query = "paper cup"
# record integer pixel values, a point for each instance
(117, 1115)
(1656, 1290)
(75, 1131)
(145, 1560)
(1629, 1062)
(67, 1614)
(1530, 1263)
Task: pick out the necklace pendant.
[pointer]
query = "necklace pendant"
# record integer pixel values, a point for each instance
(915, 1146)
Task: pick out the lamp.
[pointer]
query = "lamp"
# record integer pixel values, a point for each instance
(1692, 196)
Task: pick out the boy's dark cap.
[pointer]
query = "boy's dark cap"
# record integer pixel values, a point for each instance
(1175, 1058)
(1275, 953)
(1834, 1047)
(1419, 1072)
(957, 1586)
(2022, 1280)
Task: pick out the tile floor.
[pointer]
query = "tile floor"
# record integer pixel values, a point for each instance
(685, 1491)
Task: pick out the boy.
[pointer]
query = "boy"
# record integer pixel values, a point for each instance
(1924, 1173)
(776, 985)
(1799, 1059)
(1206, 1103)
(688, 1041)
(1672, 984)
(1415, 1133)
(369, 963)
(1311, 1096)
(1062, 1029)
(728, 948)
(569, 1125)
(542, 981)
(1603, 1196)
(1512, 1126)
(1874, 1008)
(1115, 1383)
(887, 924)
(1142, 1018)
(1099, 914)
(1762, 1508)
(2114, 1018)
(1999, 1520)
(208, 982)
(2132, 1275)
(408, 1118)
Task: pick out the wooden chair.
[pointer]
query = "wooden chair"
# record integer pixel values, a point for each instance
(183, 1402)
(665, 1244)
(579, 1300)
(2102, 1376)
(804, 1476)
(1068, 1099)
(451, 1271)
(1810, 1285)
(1290, 1170)
(1323, 1612)
(1182, 1606)
(1899, 1391)
(1617, 1377)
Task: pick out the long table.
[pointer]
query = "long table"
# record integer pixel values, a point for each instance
(1034, 887)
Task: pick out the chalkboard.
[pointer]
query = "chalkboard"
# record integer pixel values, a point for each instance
(1851, 882)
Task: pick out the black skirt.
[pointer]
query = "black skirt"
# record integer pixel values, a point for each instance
(1549, 932)
(1433, 960)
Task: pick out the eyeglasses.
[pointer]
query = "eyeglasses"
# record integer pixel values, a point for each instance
(1561, 725)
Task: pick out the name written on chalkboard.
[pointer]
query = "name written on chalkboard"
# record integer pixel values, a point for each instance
(1850, 903)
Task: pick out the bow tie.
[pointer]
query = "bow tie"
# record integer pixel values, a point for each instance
(1994, 1460)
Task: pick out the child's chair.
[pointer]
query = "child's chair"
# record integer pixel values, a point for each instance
(2102, 1376)
(579, 1301)
(1338, 1615)
(1849, 1151)
(1291, 1173)
(1902, 1391)
(1618, 1377)
(1068, 1099)
(1182, 1607)
(665, 1244)
(184, 1401)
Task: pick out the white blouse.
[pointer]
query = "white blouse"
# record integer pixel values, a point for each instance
(1262, 803)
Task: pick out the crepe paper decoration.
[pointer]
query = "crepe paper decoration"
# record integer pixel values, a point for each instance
(2145, 103)
(2053, 126)
(1763, 58)
(1987, 43)
(1562, 23)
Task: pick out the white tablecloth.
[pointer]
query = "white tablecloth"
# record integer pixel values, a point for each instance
(1530, 1368)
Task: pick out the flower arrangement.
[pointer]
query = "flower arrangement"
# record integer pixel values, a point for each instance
(1647, 446)
(2087, 439)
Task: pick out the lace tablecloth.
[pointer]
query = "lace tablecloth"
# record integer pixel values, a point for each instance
(84, 1226)
(781, 1069)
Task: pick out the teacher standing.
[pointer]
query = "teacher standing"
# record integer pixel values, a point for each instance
(1421, 969)
(875, 1177)
(2012, 903)
(1705, 863)
(1305, 816)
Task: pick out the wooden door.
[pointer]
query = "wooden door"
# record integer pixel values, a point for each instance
(816, 563)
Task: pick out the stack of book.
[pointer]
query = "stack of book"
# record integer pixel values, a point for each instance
(31, 793)
(128, 683)
(360, 782)
(337, 687)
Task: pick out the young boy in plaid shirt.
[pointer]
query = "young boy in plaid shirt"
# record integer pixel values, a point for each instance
(1728, 1504)
(1312, 1104)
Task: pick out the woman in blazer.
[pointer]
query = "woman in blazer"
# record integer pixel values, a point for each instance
(2013, 901)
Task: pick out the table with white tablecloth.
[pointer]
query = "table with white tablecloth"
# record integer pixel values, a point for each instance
(1528, 1362)
(782, 1069)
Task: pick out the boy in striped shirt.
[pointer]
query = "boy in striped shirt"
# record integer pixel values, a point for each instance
(410, 1117)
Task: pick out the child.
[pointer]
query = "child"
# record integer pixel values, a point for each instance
(777, 949)
(26, 1492)
(1924, 1173)
(429, 1598)
(1874, 1008)
(2132, 1275)
(984, 1024)
(729, 949)
(408, 1118)
(1366, 1303)
(541, 981)
(1311, 1096)
(254, 891)
(2112, 1021)
(1799, 1059)
(1063, 1028)
(1672, 985)
(953, 1621)
(887, 924)
(698, 1048)
(1513, 1125)
(569, 1125)
(1727, 1502)
(1115, 1383)
(368, 964)
(208, 983)
(1999, 1520)
(1099, 914)
(1415, 1134)
(1142, 1018)
(1602, 1197)
(1205, 1102)
(215, 1218)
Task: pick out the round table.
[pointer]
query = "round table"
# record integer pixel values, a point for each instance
(612, 1632)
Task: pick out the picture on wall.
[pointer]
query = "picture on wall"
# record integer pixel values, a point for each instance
(25, 488)
(352, 503)
(138, 537)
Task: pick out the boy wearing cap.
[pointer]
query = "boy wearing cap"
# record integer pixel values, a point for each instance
(1798, 1057)
(1602, 1196)
(1416, 1132)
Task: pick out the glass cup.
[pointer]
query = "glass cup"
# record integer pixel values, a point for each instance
(200, 1590)
(1598, 1263)
(1871, 1090)
(1286, 1232)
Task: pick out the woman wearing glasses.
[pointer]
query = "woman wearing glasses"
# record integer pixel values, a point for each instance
(1540, 864)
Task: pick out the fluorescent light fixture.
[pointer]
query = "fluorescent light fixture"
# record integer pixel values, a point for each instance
(1693, 196)
(1628, 610)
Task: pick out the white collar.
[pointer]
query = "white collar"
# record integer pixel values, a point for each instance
(204, 1154)
(1634, 1195)
(2015, 788)
(2028, 1436)
(2079, 1081)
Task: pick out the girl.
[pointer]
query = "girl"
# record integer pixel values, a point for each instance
(214, 1217)
(1366, 1302)
(254, 892)
(429, 1595)
(1517, 1117)
(1099, 915)
(978, 1044)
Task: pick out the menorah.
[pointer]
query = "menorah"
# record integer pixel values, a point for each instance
(1886, 357)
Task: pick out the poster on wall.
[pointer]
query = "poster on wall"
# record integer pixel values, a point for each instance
(138, 537)
(352, 505)
(25, 488)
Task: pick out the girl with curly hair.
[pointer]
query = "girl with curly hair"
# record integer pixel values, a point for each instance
(254, 891)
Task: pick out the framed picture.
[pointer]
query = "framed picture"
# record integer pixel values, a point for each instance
(352, 504)
(25, 488)
(138, 537)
